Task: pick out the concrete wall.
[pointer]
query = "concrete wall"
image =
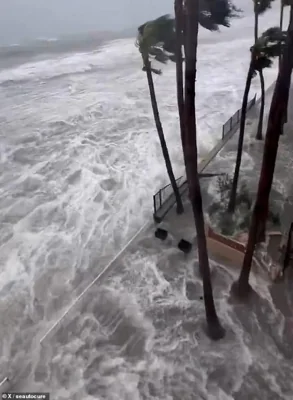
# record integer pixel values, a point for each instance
(225, 249)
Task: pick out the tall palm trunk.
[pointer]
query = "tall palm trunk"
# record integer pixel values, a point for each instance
(214, 328)
(159, 127)
(262, 106)
(260, 212)
(255, 22)
(178, 5)
(261, 77)
(281, 26)
(280, 56)
(233, 194)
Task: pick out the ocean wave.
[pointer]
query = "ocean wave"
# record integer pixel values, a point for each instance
(80, 162)
(104, 58)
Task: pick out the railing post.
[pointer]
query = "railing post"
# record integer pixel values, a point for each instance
(160, 197)
(155, 205)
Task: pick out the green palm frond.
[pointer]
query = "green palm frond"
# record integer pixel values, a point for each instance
(156, 39)
(261, 6)
(263, 62)
(155, 32)
(207, 22)
(268, 46)
(154, 70)
(216, 13)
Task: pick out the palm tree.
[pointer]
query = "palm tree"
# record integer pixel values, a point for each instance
(188, 15)
(212, 14)
(189, 146)
(282, 5)
(179, 23)
(260, 6)
(269, 46)
(156, 39)
(278, 106)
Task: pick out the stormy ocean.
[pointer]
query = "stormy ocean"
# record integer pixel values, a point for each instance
(79, 163)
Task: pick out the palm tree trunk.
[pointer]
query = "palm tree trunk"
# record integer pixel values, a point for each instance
(261, 77)
(255, 22)
(280, 56)
(233, 194)
(178, 5)
(159, 127)
(281, 26)
(262, 106)
(260, 212)
(214, 328)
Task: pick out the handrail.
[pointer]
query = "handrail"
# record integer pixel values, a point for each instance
(235, 118)
(169, 184)
(159, 197)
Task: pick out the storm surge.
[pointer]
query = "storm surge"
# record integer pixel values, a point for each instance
(79, 163)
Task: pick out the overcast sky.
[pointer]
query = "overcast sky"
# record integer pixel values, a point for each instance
(21, 20)
(25, 19)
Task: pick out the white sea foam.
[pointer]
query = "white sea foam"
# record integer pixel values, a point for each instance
(80, 161)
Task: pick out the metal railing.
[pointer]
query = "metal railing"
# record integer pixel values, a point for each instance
(235, 119)
(164, 193)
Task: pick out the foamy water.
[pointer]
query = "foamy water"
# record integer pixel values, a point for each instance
(79, 162)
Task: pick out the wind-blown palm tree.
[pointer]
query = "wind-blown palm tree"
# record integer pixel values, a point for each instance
(260, 7)
(282, 6)
(260, 212)
(189, 145)
(212, 14)
(188, 15)
(156, 40)
(179, 23)
(269, 46)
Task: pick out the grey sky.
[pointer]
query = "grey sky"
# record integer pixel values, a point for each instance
(21, 20)
(26, 19)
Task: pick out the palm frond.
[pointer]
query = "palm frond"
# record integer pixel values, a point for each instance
(263, 62)
(154, 70)
(261, 6)
(215, 13)
(160, 29)
(156, 38)
(207, 22)
(268, 46)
